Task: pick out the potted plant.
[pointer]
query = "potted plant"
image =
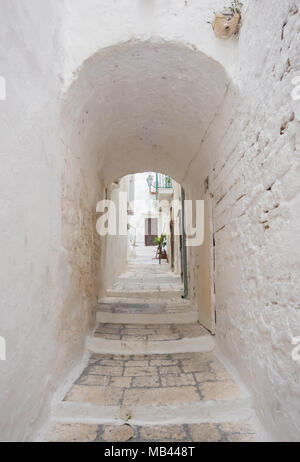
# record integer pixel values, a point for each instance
(161, 247)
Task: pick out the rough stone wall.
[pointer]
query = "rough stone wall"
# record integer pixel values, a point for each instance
(253, 151)
(33, 265)
(81, 191)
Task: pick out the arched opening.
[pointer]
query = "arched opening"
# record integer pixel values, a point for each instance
(135, 107)
(144, 244)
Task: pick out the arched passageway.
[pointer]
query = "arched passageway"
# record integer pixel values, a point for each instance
(142, 107)
(134, 107)
(139, 104)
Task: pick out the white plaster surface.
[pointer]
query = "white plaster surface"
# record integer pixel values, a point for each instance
(251, 154)
(137, 98)
(34, 273)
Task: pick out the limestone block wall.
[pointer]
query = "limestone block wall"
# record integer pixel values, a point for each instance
(252, 150)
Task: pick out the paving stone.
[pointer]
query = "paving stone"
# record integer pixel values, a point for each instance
(152, 332)
(163, 362)
(149, 381)
(117, 433)
(135, 331)
(205, 433)
(95, 357)
(108, 330)
(182, 356)
(219, 390)
(160, 356)
(133, 338)
(192, 330)
(112, 362)
(120, 382)
(137, 371)
(121, 357)
(106, 370)
(168, 433)
(241, 438)
(192, 365)
(107, 336)
(205, 377)
(157, 380)
(177, 380)
(71, 433)
(137, 363)
(169, 370)
(160, 396)
(95, 395)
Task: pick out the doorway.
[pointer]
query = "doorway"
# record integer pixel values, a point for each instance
(151, 231)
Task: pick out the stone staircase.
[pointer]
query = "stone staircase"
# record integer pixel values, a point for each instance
(152, 374)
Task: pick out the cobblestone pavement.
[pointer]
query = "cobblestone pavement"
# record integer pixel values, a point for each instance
(141, 276)
(206, 432)
(150, 332)
(154, 380)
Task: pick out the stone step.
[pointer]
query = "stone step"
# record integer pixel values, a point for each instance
(185, 388)
(150, 339)
(132, 311)
(145, 292)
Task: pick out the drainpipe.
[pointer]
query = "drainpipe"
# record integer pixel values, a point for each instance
(184, 252)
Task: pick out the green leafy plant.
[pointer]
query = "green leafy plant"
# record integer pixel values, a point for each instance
(161, 241)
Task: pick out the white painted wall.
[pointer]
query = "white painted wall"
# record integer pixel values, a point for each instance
(205, 132)
(254, 178)
(151, 103)
(144, 205)
(103, 24)
(33, 265)
(114, 248)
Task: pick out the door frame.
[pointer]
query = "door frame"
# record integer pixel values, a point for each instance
(206, 302)
(149, 237)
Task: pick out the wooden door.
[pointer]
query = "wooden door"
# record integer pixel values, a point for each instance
(151, 230)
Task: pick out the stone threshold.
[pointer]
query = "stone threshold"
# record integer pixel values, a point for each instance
(201, 344)
(186, 317)
(148, 294)
(208, 411)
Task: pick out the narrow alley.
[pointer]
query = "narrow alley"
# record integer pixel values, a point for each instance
(150, 224)
(174, 389)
